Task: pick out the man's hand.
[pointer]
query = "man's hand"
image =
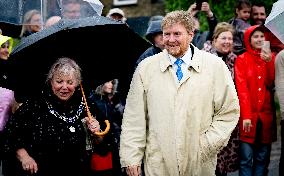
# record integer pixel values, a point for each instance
(133, 170)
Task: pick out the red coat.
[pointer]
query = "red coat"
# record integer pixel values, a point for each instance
(254, 82)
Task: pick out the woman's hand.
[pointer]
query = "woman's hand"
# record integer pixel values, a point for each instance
(93, 125)
(247, 125)
(265, 54)
(28, 163)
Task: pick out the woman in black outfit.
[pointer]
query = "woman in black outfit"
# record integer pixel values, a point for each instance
(50, 135)
(110, 104)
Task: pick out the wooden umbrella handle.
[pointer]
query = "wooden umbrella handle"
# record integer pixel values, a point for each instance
(90, 116)
(102, 133)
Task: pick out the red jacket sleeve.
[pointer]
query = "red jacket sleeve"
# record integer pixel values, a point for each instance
(242, 87)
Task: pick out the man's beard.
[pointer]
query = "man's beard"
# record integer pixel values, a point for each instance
(262, 21)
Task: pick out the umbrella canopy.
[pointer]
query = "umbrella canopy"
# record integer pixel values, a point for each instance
(105, 49)
(274, 21)
(16, 13)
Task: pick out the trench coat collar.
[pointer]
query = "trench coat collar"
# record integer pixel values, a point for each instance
(195, 63)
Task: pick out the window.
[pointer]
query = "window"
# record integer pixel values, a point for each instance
(124, 2)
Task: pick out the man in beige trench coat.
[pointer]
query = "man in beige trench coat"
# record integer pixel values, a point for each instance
(177, 117)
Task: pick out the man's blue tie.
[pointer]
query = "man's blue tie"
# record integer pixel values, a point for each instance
(179, 74)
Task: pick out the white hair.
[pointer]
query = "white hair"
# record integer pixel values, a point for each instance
(65, 66)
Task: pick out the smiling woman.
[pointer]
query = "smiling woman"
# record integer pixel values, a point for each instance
(222, 46)
(50, 134)
(255, 75)
(64, 77)
(5, 46)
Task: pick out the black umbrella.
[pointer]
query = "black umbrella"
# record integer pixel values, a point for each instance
(105, 49)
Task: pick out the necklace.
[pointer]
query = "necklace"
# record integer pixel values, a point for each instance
(65, 118)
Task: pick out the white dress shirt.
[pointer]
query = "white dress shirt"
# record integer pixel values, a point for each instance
(186, 58)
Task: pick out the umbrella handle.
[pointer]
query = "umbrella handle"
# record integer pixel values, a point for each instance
(102, 133)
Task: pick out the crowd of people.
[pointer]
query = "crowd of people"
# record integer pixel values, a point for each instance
(199, 103)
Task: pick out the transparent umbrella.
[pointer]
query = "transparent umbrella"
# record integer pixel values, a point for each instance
(13, 12)
(274, 21)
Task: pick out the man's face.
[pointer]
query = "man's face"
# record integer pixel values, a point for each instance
(258, 15)
(72, 11)
(176, 39)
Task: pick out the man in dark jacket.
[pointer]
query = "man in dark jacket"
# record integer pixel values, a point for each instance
(200, 37)
(154, 35)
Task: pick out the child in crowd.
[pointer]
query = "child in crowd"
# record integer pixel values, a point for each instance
(240, 23)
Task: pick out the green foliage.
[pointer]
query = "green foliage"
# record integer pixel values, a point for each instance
(223, 9)
(177, 4)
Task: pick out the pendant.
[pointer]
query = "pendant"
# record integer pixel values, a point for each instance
(72, 129)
